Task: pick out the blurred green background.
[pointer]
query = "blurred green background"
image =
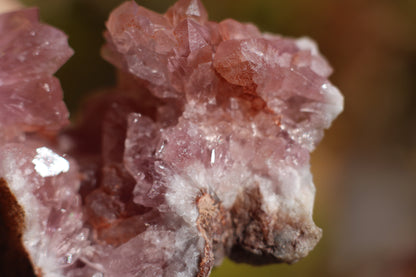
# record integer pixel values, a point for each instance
(365, 168)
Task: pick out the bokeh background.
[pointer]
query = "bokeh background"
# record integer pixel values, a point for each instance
(364, 169)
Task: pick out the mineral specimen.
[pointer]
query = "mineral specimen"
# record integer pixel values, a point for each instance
(200, 152)
(38, 184)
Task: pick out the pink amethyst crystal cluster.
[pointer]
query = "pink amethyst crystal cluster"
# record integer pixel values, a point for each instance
(200, 152)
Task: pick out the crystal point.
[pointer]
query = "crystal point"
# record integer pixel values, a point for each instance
(187, 9)
(31, 52)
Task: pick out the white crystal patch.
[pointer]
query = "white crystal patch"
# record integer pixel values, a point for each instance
(48, 163)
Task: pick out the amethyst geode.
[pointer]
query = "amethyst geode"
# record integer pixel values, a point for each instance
(200, 152)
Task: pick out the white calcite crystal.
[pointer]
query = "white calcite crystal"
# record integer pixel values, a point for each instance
(200, 152)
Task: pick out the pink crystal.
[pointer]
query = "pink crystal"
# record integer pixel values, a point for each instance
(32, 111)
(200, 152)
(31, 99)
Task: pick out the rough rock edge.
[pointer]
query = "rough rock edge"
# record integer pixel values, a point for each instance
(253, 241)
(14, 259)
(214, 225)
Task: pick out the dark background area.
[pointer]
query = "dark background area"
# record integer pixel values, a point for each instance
(365, 168)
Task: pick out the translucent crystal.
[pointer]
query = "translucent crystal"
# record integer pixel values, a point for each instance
(30, 53)
(200, 152)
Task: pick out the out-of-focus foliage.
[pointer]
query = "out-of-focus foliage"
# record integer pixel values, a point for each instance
(365, 169)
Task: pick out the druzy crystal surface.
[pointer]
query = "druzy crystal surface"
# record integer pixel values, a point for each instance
(44, 183)
(200, 152)
(30, 53)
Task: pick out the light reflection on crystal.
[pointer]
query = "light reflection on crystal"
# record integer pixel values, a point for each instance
(212, 156)
(68, 259)
(48, 163)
